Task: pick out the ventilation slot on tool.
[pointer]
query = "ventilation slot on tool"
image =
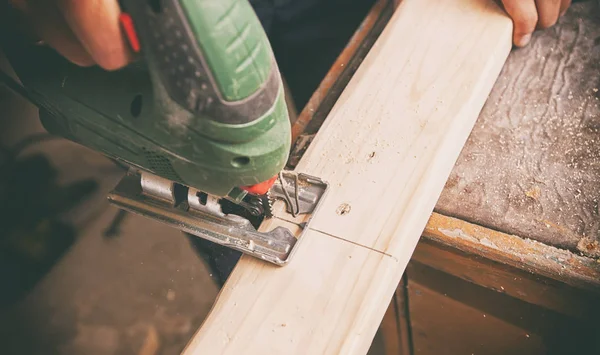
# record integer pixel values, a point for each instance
(161, 166)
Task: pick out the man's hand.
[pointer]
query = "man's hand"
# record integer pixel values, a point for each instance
(87, 32)
(529, 15)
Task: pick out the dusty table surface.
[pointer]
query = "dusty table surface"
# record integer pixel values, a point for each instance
(531, 166)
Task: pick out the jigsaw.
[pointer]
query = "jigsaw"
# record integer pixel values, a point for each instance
(200, 121)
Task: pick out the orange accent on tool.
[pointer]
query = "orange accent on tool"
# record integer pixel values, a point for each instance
(260, 188)
(127, 23)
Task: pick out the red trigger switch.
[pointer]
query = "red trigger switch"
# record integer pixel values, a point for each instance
(127, 24)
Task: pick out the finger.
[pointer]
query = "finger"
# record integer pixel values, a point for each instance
(548, 11)
(96, 25)
(564, 6)
(47, 23)
(524, 16)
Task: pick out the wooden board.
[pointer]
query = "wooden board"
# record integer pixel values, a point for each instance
(387, 149)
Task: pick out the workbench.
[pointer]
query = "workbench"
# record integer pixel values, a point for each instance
(512, 246)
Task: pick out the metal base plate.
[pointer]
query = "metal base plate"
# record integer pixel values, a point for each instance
(170, 207)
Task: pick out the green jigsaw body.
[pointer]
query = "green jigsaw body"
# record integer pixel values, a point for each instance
(204, 107)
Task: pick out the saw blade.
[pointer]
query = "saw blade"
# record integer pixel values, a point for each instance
(267, 203)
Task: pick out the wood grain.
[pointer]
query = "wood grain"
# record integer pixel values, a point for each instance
(386, 148)
(320, 303)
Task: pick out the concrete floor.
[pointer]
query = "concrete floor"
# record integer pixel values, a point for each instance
(145, 290)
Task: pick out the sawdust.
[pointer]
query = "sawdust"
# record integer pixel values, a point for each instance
(534, 192)
(171, 295)
(589, 247)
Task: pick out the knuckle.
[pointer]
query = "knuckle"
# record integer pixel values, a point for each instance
(527, 22)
